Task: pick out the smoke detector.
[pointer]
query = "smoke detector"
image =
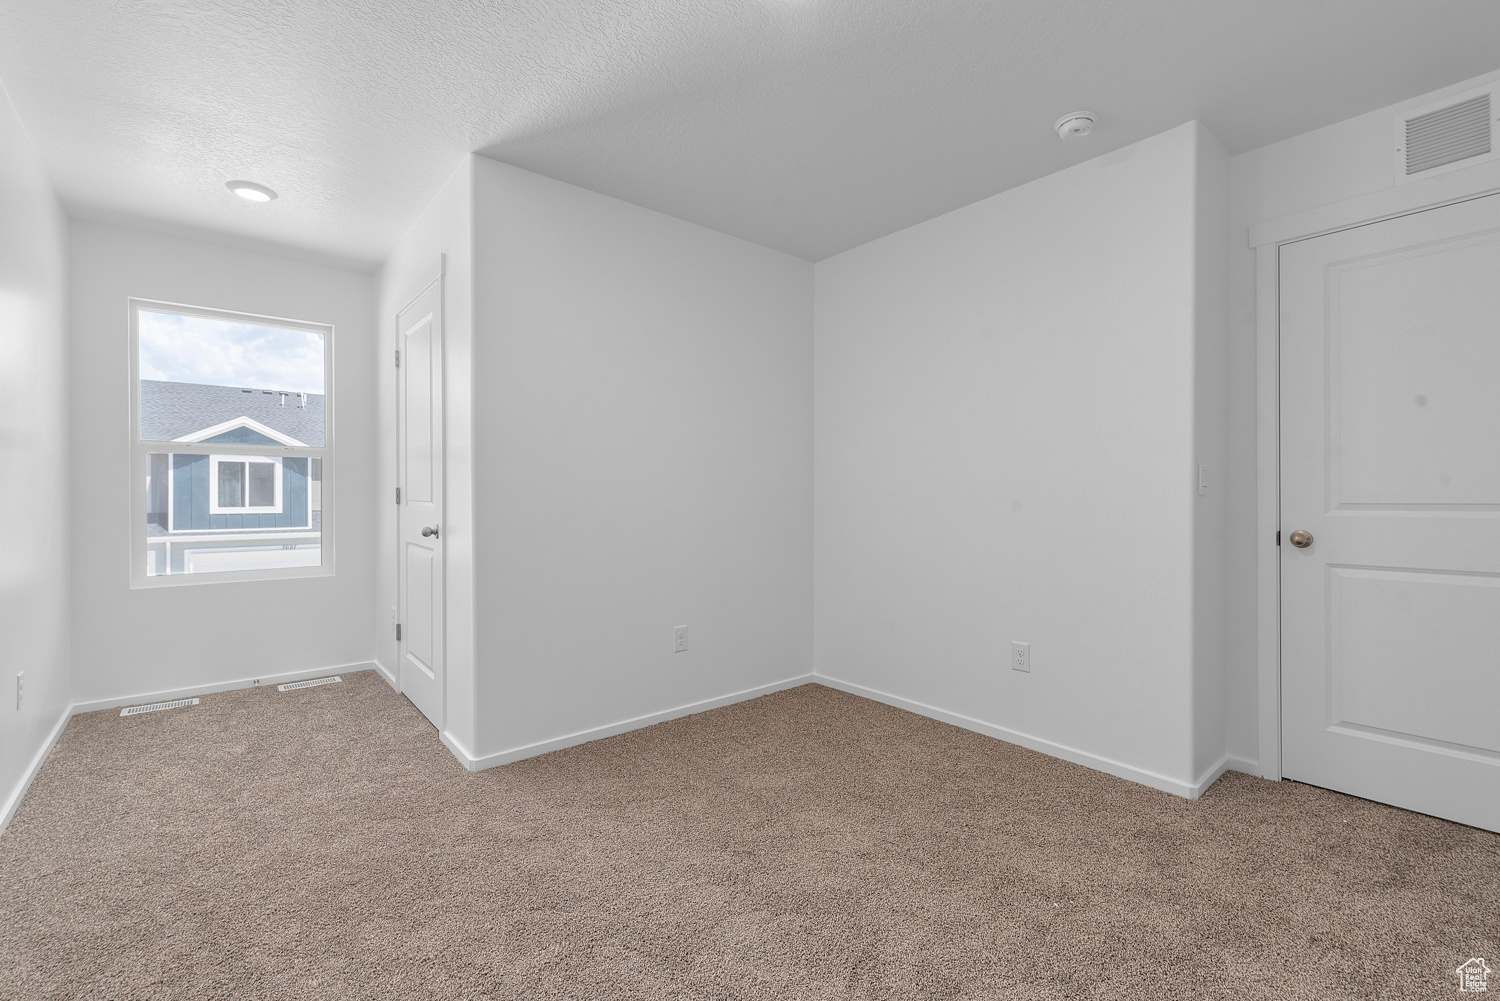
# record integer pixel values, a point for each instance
(1075, 126)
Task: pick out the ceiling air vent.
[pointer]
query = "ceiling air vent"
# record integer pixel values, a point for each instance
(1458, 132)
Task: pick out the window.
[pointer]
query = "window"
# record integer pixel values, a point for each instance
(231, 445)
(244, 484)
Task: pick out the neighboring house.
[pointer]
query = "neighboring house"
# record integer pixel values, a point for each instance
(231, 511)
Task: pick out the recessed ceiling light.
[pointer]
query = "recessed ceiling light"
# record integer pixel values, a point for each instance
(1075, 126)
(250, 191)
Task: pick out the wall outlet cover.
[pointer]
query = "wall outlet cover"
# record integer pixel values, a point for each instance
(1020, 656)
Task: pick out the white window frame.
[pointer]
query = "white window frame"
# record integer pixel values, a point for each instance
(141, 450)
(214, 507)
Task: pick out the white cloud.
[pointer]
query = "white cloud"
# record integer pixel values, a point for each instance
(223, 353)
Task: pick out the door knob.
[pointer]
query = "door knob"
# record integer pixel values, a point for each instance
(1300, 539)
(433, 532)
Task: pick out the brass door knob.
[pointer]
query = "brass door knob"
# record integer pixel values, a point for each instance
(1300, 539)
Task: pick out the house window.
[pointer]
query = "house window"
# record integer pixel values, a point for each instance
(232, 443)
(245, 484)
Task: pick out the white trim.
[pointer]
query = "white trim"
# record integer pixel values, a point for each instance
(13, 801)
(222, 686)
(476, 763)
(255, 535)
(135, 510)
(214, 507)
(1268, 509)
(310, 481)
(1228, 763)
(385, 672)
(440, 486)
(40, 758)
(242, 422)
(1418, 195)
(1244, 766)
(1119, 769)
(1188, 790)
(229, 576)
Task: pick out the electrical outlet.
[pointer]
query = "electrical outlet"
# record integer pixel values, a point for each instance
(1020, 656)
(679, 639)
(1202, 479)
(20, 687)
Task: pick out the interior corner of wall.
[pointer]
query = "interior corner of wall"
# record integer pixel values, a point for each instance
(1209, 142)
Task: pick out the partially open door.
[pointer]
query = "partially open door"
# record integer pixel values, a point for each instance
(419, 478)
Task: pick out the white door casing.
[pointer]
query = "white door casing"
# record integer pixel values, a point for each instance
(419, 478)
(1390, 458)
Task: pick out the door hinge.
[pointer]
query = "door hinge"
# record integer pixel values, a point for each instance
(398, 501)
(398, 357)
(398, 632)
(1278, 536)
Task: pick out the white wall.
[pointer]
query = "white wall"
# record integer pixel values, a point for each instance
(1210, 434)
(643, 414)
(443, 230)
(1006, 442)
(1351, 158)
(34, 495)
(134, 642)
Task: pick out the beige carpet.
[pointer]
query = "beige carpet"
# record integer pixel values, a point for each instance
(323, 844)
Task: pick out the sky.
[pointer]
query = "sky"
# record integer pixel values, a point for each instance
(224, 353)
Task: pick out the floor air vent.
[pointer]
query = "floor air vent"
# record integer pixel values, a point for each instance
(156, 706)
(1455, 133)
(308, 684)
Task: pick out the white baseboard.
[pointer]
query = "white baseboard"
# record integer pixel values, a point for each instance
(143, 698)
(37, 761)
(476, 763)
(1244, 765)
(223, 686)
(1228, 763)
(1119, 769)
(387, 674)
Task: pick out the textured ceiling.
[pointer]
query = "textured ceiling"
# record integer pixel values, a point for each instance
(807, 125)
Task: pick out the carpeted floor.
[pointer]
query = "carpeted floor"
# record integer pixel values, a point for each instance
(810, 844)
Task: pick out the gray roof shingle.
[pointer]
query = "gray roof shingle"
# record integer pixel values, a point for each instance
(172, 410)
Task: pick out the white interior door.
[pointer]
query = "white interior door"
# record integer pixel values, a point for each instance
(419, 464)
(1390, 452)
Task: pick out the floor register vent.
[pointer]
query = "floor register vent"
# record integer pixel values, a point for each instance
(1457, 132)
(156, 706)
(308, 684)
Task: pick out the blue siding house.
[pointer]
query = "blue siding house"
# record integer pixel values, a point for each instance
(212, 507)
(201, 483)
